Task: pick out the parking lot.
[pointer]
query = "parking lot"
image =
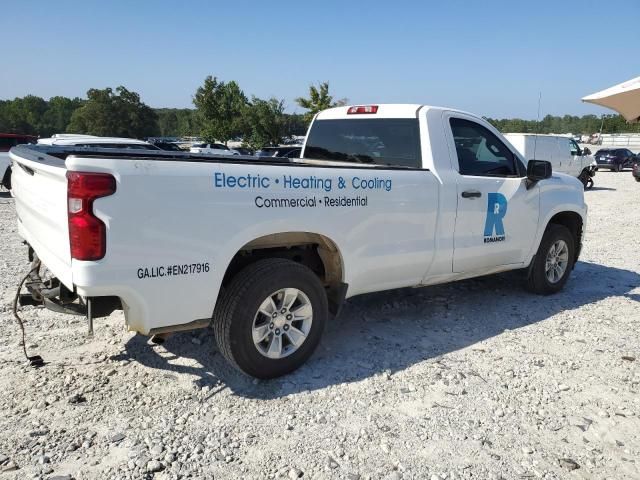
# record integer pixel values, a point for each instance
(476, 379)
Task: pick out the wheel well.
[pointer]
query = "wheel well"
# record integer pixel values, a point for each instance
(573, 222)
(313, 250)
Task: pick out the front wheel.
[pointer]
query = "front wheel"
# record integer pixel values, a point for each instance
(270, 318)
(553, 261)
(619, 167)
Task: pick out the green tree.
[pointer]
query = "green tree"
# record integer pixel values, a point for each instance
(265, 122)
(296, 124)
(24, 115)
(167, 122)
(58, 115)
(120, 114)
(319, 99)
(221, 107)
(177, 122)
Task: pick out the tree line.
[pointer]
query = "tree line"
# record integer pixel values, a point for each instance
(222, 112)
(586, 124)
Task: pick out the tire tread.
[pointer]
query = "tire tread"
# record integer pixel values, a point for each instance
(234, 293)
(536, 282)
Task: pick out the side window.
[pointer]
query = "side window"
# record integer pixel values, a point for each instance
(575, 149)
(480, 152)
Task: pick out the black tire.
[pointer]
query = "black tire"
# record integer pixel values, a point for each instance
(239, 303)
(537, 281)
(619, 167)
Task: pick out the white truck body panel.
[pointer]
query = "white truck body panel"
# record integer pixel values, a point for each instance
(392, 227)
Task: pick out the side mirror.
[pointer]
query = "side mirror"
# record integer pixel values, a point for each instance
(537, 170)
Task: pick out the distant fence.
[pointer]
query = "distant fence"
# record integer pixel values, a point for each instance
(626, 140)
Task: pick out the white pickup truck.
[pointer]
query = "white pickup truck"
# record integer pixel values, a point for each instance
(384, 196)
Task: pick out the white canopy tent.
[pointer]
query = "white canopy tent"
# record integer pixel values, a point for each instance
(624, 98)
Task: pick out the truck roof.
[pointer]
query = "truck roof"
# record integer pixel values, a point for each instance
(538, 134)
(382, 110)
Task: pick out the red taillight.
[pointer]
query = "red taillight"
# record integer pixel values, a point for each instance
(87, 233)
(362, 109)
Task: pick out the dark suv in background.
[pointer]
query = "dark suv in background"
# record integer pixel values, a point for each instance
(8, 140)
(614, 158)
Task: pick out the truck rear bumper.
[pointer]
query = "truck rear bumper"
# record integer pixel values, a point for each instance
(54, 295)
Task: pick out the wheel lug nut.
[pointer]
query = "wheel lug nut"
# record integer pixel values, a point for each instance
(289, 317)
(277, 331)
(271, 326)
(283, 311)
(274, 314)
(286, 327)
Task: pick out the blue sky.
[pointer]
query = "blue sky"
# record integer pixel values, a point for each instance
(490, 57)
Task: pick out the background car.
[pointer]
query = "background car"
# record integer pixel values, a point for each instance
(244, 151)
(614, 158)
(281, 151)
(92, 141)
(213, 149)
(7, 141)
(168, 146)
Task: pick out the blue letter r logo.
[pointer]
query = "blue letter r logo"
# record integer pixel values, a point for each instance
(496, 210)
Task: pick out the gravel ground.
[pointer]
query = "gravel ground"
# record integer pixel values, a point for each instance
(476, 379)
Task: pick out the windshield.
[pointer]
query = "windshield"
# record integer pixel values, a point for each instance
(381, 141)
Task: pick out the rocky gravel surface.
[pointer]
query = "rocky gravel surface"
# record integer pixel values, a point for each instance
(473, 380)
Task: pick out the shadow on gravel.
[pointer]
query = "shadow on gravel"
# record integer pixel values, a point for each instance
(394, 330)
(594, 188)
(4, 194)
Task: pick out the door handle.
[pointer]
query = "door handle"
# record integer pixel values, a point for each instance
(471, 194)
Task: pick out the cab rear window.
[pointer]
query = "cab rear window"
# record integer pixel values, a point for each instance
(380, 141)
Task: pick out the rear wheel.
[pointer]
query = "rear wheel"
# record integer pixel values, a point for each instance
(553, 261)
(619, 167)
(270, 318)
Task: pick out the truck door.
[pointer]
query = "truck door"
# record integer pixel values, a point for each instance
(577, 159)
(497, 217)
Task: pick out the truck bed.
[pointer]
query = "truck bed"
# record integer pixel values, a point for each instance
(184, 213)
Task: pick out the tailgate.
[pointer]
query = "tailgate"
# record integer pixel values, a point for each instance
(39, 185)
